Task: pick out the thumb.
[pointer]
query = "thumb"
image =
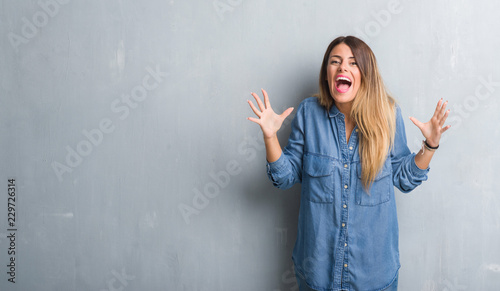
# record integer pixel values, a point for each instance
(417, 122)
(287, 112)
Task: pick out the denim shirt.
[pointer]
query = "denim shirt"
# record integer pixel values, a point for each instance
(346, 239)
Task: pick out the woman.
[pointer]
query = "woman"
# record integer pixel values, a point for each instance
(348, 149)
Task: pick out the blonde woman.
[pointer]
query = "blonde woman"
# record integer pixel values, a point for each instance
(348, 149)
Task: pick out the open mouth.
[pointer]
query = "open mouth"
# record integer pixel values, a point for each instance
(342, 83)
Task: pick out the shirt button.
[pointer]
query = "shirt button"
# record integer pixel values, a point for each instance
(345, 265)
(345, 206)
(343, 224)
(350, 148)
(345, 244)
(345, 165)
(345, 186)
(357, 130)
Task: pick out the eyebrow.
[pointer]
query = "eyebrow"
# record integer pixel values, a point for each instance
(337, 56)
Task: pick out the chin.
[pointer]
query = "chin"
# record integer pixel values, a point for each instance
(343, 98)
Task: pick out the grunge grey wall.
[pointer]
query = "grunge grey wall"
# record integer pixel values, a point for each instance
(127, 162)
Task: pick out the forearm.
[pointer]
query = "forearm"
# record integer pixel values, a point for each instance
(273, 148)
(423, 158)
(432, 131)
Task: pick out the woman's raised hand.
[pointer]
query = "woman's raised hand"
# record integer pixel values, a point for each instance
(269, 121)
(433, 128)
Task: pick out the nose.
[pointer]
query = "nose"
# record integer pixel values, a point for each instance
(342, 67)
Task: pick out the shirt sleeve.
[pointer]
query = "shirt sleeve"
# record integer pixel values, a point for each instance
(287, 170)
(406, 174)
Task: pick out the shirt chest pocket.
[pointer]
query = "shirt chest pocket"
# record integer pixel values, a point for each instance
(380, 190)
(317, 181)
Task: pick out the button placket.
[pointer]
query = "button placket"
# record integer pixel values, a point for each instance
(347, 153)
(346, 178)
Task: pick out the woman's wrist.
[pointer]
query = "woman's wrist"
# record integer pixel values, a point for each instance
(431, 144)
(426, 148)
(270, 138)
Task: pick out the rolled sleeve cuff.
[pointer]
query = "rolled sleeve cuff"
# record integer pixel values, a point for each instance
(277, 166)
(416, 171)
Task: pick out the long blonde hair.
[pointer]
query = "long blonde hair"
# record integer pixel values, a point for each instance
(373, 109)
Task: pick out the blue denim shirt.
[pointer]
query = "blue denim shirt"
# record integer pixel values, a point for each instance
(346, 238)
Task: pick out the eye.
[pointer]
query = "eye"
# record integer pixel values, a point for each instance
(354, 64)
(334, 62)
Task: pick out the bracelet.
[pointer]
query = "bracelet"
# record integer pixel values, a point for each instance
(429, 147)
(426, 146)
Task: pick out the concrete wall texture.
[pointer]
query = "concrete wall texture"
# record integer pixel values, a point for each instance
(127, 162)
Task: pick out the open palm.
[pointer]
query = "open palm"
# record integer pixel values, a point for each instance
(433, 128)
(269, 121)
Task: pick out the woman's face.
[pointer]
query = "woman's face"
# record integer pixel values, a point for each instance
(343, 75)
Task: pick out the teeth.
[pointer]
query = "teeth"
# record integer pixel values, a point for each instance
(343, 78)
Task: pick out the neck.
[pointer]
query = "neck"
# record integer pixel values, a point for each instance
(345, 108)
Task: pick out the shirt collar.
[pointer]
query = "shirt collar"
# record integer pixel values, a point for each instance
(334, 111)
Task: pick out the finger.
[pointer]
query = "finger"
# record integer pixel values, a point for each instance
(417, 122)
(254, 120)
(287, 112)
(443, 109)
(445, 128)
(443, 120)
(438, 106)
(259, 102)
(257, 112)
(266, 99)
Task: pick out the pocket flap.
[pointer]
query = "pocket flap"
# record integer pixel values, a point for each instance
(318, 166)
(386, 170)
